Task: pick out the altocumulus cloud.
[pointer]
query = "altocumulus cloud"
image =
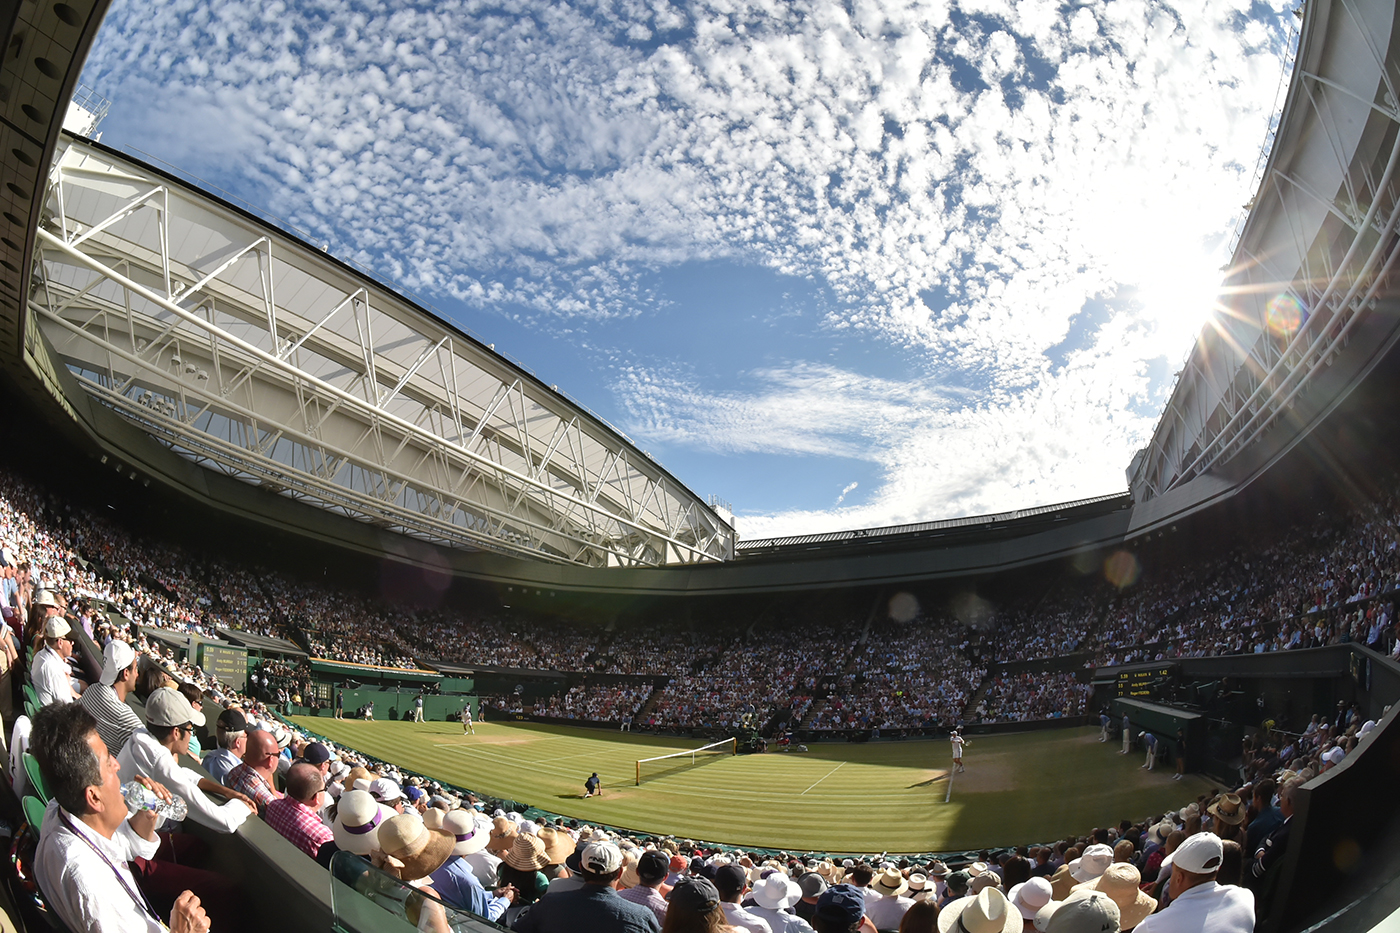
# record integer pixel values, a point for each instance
(963, 177)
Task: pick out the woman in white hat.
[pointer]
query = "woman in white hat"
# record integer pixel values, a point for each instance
(454, 880)
(358, 817)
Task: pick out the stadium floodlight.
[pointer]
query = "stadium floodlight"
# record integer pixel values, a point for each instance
(688, 758)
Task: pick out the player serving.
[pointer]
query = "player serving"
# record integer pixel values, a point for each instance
(467, 720)
(958, 742)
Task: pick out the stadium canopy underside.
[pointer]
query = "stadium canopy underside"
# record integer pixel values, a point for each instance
(254, 354)
(1312, 280)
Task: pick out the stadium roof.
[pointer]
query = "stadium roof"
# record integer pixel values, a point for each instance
(253, 353)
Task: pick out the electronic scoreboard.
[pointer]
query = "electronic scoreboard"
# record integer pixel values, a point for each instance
(1148, 684)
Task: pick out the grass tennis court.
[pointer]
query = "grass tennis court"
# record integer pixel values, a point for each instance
(838, 797)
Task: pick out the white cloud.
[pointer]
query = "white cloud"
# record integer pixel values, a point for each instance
(1018, 159)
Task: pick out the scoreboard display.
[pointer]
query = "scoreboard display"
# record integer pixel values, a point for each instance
(1146, 684)
(227, 663)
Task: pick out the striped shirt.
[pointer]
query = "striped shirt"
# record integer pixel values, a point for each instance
(115, 720)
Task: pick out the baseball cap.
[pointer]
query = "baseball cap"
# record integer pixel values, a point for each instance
(841, 903)
(315, 753)
(601, 858)
(414, 794)
(1200, 854)
(167, 706)
(57, 627)
(653, 865)
(696, 893)
(384, 790)
(812, 884)
(730, 879)
(116, 657)
(232, 720)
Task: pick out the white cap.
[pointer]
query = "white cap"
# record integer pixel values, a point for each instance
(117, 657)
(167, 706)
(57, 627)
(1200, 854)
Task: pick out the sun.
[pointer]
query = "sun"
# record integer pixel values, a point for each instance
(1179, 295)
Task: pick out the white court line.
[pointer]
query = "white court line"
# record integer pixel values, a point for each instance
(825, 776)
(949, 796)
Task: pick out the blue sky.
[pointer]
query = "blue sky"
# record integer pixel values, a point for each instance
(841, 264)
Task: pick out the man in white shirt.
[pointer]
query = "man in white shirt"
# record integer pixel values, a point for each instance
(888, 910)
(731, 882)
(81, 863)
(53, 681)
(153, 751)
(1199, 904)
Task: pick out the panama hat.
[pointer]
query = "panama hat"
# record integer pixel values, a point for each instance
(411, 847)
(777, 892)
(988, 911)
(889, 883)
(526, 853)
(1228, 809)
(1120, 882)
(357, 821)
(470, 829)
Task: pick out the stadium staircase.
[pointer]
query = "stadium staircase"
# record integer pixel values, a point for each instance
(979, 694)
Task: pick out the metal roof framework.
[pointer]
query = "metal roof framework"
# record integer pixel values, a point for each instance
(1315, 258)
(250, 352)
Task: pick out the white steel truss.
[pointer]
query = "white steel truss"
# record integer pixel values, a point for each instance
(249, 352)
(1320, 239)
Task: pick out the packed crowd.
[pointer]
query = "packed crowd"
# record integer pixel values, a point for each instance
(1313, 585)
(1211, 866)
(1020, 697)
(613, 703)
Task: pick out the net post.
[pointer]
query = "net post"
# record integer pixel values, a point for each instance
(639, 774)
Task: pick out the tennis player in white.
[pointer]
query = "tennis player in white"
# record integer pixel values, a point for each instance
(958, 743)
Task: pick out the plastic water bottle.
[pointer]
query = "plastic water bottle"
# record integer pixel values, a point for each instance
(139, 797)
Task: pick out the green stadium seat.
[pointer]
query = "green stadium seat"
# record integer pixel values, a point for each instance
(36, 780)
(30, 709)
(30, 696)
(34, 813)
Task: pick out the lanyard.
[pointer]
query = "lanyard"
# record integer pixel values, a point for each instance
(138, 895)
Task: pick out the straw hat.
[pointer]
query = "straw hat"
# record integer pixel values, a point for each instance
(1120, 881)
(889, 883)
(558, 845)
(526, 853)
(1061, 882)
(502, 835)
(412, 848)
(1228, 809)
(357, 821)
(987, 912)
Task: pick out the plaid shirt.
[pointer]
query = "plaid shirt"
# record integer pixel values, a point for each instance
(247, 781)
(299, 824)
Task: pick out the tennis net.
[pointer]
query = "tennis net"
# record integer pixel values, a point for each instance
(661, 764)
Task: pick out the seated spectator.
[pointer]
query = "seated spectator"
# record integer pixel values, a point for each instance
(652, 868)
(231, 734)
(731, 881)
(153, 751)
(52, 679)
(454, 880)
(773, 897)
(1199, 904)
(254, 776)
(693, 907)
(594, 908)
(106, 699)
(294, 815)
(82, 860)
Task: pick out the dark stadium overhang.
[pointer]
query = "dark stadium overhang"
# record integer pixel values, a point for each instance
(263, 644)
(351, 671)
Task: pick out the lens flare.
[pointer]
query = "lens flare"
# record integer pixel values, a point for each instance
(1284, 315)
(1121, 569)
(904, 607)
